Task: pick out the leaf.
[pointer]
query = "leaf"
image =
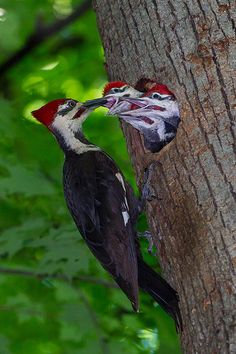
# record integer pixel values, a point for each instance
(64, 252)
(4, 345)
(10, 244)
(76, 322)
(22, 180)
(26, 308)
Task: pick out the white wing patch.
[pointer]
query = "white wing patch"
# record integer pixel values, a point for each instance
(125, 213)
(120, 178)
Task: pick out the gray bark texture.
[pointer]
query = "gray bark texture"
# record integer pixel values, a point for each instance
(190, 46)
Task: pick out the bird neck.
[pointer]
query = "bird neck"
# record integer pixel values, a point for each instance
(71, 140)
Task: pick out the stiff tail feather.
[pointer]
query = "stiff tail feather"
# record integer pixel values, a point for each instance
(161, 291)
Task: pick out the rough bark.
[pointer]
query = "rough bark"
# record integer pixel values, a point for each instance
(190, 46)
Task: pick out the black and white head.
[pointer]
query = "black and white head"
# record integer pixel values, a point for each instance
(64, 118)
(112, 94)
(157, 104)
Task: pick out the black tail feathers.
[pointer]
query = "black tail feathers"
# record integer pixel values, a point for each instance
(161, 291)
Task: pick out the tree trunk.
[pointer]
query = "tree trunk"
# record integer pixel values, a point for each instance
(190, 46)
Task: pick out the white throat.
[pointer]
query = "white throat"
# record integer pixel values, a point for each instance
(67, 127)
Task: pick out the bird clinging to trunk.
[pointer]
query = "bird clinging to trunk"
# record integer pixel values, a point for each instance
(103, 206)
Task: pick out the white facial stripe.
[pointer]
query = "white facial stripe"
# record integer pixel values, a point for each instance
(67, 127)
(133, 93)
(63, 106)
(163, 95)
(129, 90)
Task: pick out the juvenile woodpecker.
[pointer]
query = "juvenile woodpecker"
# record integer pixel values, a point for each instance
(156, 115)
(152, 109)
(103, 206)
(112, 94)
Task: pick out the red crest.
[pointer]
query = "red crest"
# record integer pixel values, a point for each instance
(149, 85)
(113, 84)
(159, 88)
(46, 113)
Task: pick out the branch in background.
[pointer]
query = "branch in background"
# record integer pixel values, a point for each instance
(41, 34)
(41, 276)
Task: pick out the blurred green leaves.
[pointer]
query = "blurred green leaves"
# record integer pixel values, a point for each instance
(49, 316)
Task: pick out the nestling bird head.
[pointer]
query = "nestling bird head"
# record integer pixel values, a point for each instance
(157, 103)
(112, 93)
(156, 94)
(119, 89)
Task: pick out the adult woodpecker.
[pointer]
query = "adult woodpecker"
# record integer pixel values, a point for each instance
(103, 206)
(150, 107)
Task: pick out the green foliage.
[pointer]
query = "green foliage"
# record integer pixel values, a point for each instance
(67, 315)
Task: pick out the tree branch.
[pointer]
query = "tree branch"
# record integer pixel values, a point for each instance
(42, 33)
(32, 274)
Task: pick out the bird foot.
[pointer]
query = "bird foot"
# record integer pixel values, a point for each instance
(148, 192)
(147, 235)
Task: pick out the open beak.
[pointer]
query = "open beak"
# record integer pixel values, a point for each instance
(136, 118)
(136, 101)
(145, 103)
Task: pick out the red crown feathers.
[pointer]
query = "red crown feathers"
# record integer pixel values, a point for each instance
(46, 113)
(162, 89)
(111, 85)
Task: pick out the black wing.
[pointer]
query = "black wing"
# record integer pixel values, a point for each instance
(95, 193)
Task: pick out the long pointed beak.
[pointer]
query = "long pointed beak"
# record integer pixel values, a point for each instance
(97, 102)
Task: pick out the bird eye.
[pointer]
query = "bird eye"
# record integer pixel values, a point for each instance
(116, 90)
(71, 104)
(157, 96)
(161, 98)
